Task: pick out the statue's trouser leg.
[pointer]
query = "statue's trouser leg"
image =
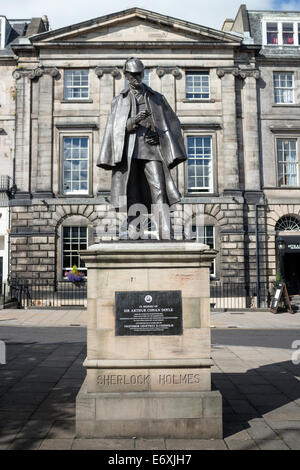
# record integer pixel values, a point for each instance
(156, 179)
(135, 230)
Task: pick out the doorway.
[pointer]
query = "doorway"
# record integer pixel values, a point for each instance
(292, 272)
(1, 273)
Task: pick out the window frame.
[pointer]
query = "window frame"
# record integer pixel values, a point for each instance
(85, 98)
(203, 72)
(296, 139)
(201, 239)
(275, 72)
(212, 189)
(71, 221)
(280, 21)
(76, 134)
(64, 269)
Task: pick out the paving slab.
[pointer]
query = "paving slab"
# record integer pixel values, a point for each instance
(195, 444)
(56, 444)
(62, 429)
(269, 444)
(237, 444)
(34, 429)
(25, 444)
(291, 437)
(103, 444)
(150, 444)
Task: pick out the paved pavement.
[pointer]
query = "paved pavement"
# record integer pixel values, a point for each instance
(232, 319)
(253, 370)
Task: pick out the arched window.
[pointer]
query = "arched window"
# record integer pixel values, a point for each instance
(288, 223)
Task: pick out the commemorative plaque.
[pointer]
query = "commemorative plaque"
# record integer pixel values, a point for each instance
(148, 313)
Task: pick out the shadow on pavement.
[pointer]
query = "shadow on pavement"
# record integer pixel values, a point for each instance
(270, 392)
(44, 372)
(39, 384)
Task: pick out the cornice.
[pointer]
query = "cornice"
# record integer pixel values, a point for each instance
(136, 44)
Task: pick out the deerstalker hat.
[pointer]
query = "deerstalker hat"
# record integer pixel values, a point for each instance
(133, 65)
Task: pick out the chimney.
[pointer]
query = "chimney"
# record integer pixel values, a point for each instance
(46, 22)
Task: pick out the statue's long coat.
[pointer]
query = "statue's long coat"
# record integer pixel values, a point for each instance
(118, 144)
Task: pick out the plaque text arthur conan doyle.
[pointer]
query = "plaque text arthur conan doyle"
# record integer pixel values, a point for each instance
(148, 313)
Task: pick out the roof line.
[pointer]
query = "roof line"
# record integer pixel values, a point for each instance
(158, 16)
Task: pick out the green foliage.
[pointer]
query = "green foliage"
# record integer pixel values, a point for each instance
(74, 269)
(278, 278)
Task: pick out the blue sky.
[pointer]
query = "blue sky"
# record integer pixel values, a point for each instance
(208, 13)
(286, 4)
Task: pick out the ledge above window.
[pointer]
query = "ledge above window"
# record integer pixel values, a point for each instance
(202, 125)
(70, 125)
(284, 129)
(76, 101)
(285, 105)
(197, 100)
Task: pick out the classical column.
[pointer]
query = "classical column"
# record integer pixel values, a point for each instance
(42, 184)
(45, 145)
(250, 130)
(22, 147)
(107, 77)
(230, 147)
(168, 76)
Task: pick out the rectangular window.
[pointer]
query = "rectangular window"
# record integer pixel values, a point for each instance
(197, 85)
(76, 84)
(299, 33)
(287, 33)
(73, 240)
(200, 178)
(283, 88)
(287, 162)
(272, 33)
(75, 165)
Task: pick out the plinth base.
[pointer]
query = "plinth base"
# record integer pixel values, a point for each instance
(189, 415)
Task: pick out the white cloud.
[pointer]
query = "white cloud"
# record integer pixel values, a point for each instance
(65, 12)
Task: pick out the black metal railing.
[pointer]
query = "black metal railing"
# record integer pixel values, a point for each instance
(47, 294)
(4, 182)
(7, 294)
(238, 295)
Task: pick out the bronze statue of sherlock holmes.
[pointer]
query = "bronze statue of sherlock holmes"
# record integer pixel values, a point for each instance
(141, 144)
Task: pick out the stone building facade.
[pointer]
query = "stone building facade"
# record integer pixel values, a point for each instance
(65, 81)
(10, 33)
(276, 37)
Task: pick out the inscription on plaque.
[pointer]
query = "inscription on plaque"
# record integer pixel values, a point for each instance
(148, 313)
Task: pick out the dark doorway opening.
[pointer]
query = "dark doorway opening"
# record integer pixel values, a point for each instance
(1, 273)
(292, 272)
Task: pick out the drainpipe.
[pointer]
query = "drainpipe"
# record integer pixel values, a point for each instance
(257, 257)
(257, 252)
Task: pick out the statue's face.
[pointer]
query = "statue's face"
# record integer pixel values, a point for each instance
(135, 79)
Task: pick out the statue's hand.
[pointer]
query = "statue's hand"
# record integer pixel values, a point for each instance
(152, 138)
(141, 116)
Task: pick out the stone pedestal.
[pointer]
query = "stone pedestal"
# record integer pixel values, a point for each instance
(148, 385)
